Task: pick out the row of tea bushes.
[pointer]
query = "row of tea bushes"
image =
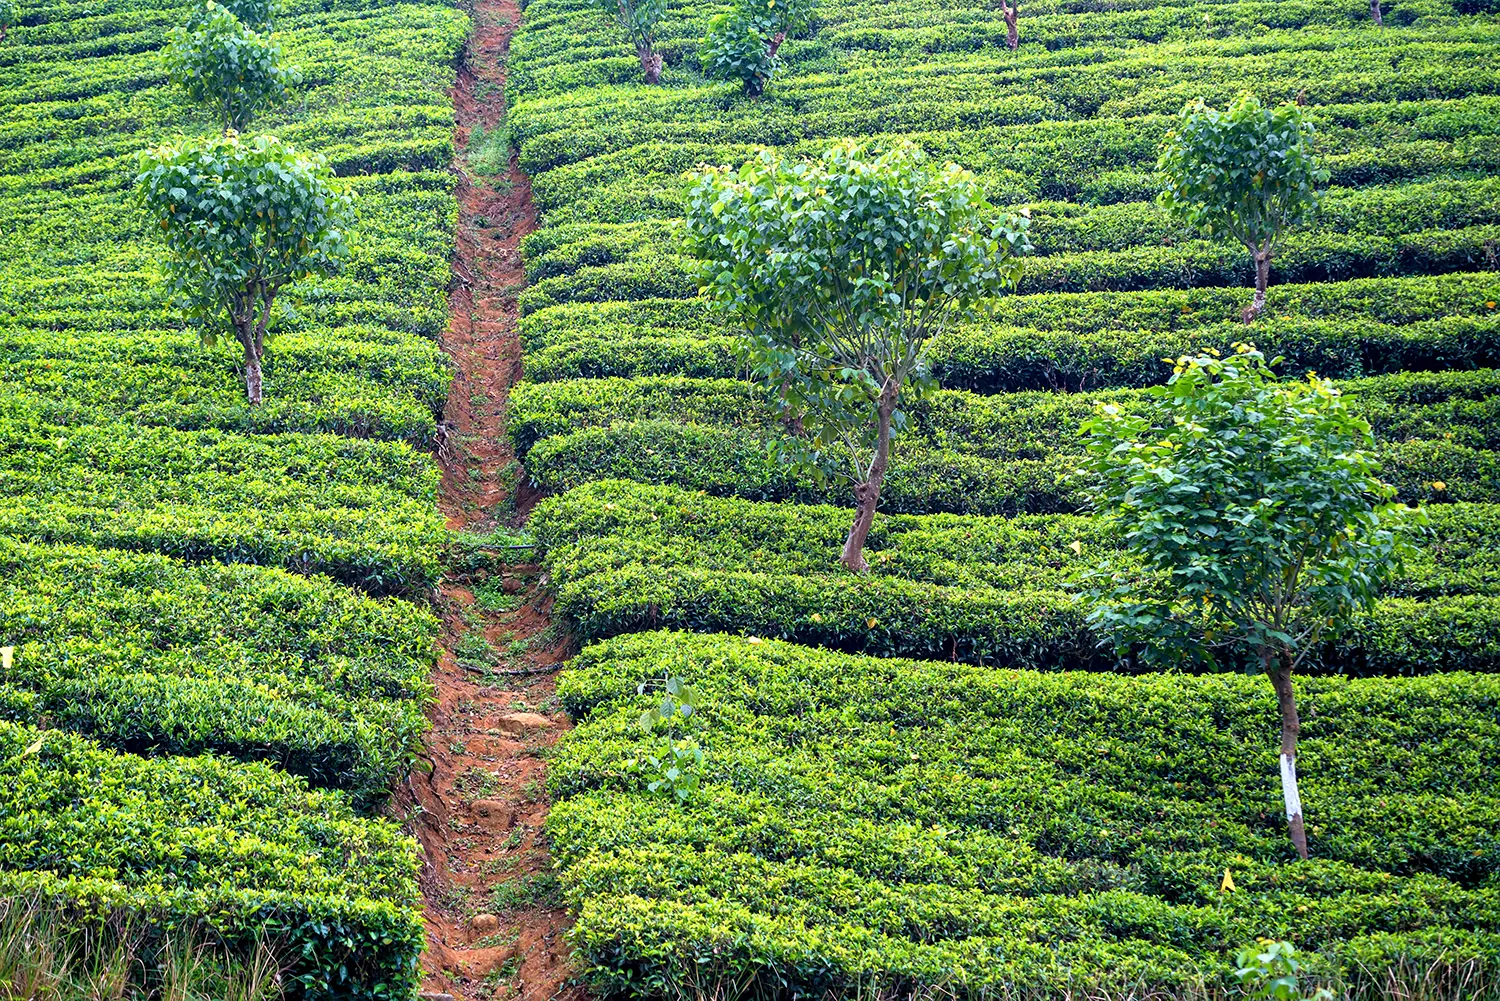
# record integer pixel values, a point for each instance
(240, 853)
(626, 558)
(365, 382)
(137, 486)
(979, 831)
(146, 653)
(360, 511)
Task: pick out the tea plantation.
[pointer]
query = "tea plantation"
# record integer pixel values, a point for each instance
(933, 778)
(217, 613)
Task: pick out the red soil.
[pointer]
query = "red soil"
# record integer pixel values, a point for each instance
(477, 801)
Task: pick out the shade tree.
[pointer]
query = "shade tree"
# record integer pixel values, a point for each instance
(742, 44)
(1253, 522)
(1247, 171)
(241, 220)
(220, 61)
(838, 271)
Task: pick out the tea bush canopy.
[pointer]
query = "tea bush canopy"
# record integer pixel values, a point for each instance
(742, 44)
(1259, 522)
(840, 271)
(223, 63)
(241, 219)
(1248, 172)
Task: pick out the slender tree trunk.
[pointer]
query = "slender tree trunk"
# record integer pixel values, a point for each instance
(253, 353)
(1375, 11)
(650, 64)
(1012, 36)
(867, 494)
(780, 37)
(1262, 280)
(1286, 701)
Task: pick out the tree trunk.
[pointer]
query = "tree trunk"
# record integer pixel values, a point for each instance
(247, 337)
(650, 64)
(780, 37)
(1375, 11)
(867, 494)
(1012, 36)
(1286, 701)
(1262, 279)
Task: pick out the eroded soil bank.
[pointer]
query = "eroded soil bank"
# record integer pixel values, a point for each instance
(477, 801)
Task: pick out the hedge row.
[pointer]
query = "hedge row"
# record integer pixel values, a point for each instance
(148, 654)
(244, 853)
(360, 511)
(1077, 341)
(625, 558)
(961, 453)
(365, 382)
(927, 827)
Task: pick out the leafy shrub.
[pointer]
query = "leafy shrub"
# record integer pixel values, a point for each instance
(241, 851)
(148, 654)
(982, 830)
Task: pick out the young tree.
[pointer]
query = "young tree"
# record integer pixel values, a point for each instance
(1255, 526)
(1248, 171)
(7, 17)
(221, 62)
(742, 44)
(639, 19)
(241, 220)
(840, 270)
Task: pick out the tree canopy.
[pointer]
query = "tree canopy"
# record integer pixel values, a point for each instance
(839, 270)
(222, 62)
(242, 219)
(1248, 172)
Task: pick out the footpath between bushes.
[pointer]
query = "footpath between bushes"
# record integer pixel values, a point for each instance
(477, 800)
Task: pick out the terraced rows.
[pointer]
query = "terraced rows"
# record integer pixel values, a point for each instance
(212, 606)
(968, 824)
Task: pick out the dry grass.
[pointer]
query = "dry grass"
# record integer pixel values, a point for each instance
(49, 954)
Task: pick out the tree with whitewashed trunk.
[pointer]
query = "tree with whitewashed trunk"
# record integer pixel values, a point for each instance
(839, 271)
(1254, 524)
(242, 220)
(1247, 171)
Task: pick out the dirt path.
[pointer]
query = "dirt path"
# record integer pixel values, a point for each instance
(477, 804)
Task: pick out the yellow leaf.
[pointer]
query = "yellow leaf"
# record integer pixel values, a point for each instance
(34, 747)
(1076, 546)
(752, 639)
(7, 656)
(1439, 485)
(1227, 885)
(871, 622)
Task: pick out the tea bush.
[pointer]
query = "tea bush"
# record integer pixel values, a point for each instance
(626, 558)
(980, 830)
(145, 653)
(243, 852)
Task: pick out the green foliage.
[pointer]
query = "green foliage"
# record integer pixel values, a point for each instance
(743, 44)
(736, 48)
(1254, 506)
(256, 15)
(1247, 171)
(982, 830)
(1269, 970)
(142, 652)
(359, 511)
(7, 17)
(625, 558)
(241, 220)
(840, 270)
(639, 20)
(243, 852)
(226, 64)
